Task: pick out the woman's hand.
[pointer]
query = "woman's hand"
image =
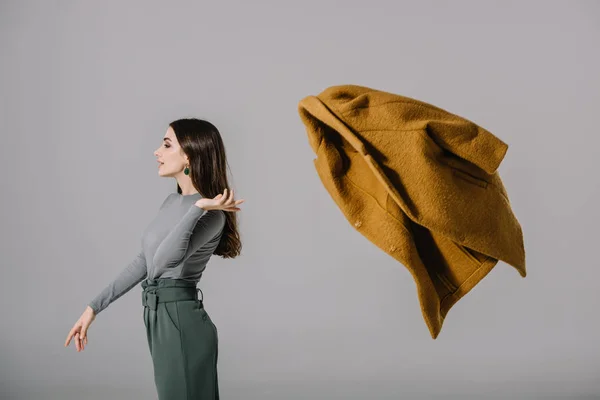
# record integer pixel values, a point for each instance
(222, 201)
(79, 330)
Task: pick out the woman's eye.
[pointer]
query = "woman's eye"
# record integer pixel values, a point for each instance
(167, 146)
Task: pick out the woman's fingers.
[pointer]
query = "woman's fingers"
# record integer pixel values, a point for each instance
(79, 333)
(235, 204)
(219, 198)
(231, 204)
(84, 335)
(226, 195)
(71, 334)
(227, 200)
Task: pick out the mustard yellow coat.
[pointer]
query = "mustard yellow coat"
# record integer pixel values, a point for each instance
(420, 183)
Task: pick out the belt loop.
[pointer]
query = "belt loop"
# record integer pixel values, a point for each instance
(150, 299)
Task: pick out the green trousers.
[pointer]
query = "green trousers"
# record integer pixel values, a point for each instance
(182, 339)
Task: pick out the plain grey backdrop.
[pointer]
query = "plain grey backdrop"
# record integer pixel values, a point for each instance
(311, 309)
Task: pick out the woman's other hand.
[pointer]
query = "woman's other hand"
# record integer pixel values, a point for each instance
(222, 201)
(79, 330)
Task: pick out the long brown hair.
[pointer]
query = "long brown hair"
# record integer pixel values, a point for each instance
(202, 143)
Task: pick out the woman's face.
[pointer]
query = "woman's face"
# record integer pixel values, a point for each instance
(170, 157)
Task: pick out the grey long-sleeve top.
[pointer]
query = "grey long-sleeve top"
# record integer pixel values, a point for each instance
(177, 244)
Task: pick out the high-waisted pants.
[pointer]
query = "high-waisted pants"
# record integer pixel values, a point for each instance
(182, 339)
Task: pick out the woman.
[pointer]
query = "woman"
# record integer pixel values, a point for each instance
(192, 224)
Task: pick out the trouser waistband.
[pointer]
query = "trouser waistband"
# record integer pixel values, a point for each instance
(167, 290)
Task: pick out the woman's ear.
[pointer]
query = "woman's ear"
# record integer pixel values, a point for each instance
(186, 159)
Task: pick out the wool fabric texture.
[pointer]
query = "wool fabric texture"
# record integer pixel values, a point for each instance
(419, 182)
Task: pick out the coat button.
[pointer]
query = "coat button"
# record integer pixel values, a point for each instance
(358, 224)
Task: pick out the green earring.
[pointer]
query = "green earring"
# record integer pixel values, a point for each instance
(186, 171)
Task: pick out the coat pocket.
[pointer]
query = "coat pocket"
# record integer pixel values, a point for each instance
(476, 256)
(469, 178)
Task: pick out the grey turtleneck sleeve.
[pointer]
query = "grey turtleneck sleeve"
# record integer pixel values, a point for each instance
(177, 244)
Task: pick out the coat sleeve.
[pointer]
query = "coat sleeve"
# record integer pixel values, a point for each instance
(462, 137)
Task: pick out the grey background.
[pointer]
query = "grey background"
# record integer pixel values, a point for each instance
(311, 310)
